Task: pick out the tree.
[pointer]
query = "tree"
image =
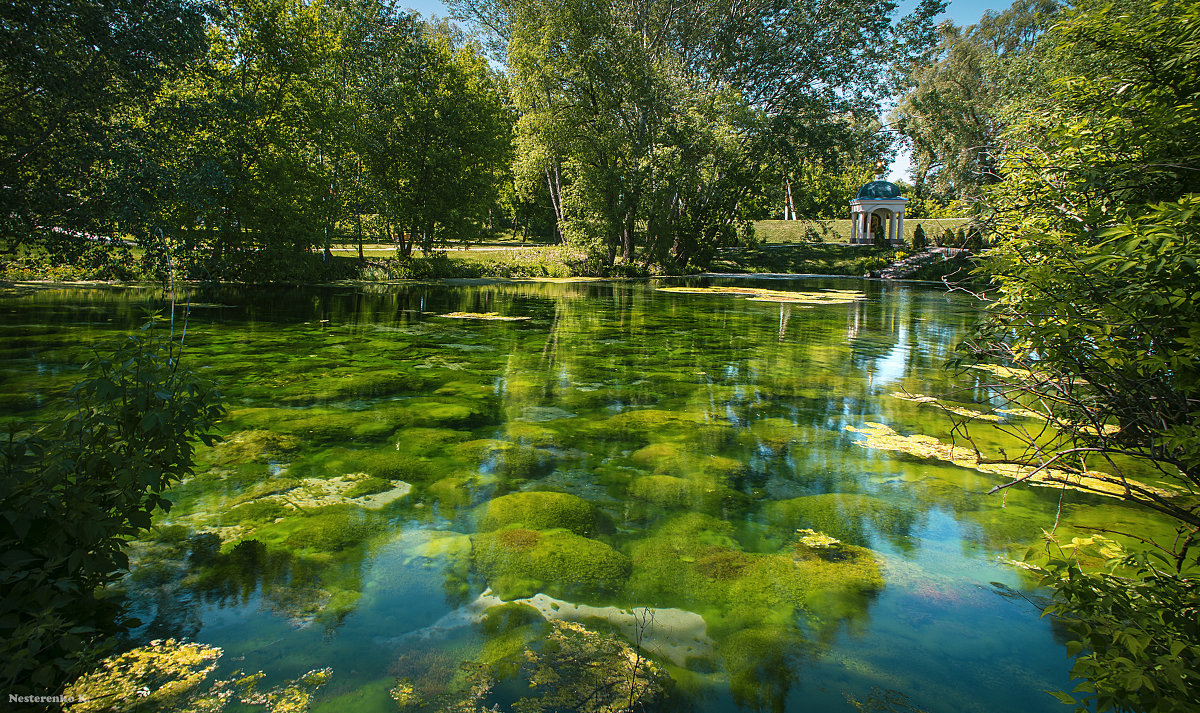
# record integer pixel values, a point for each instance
(74, 490)
(652, 124)
(65, 67)
(952, 111)
(437, 138)
(1096, 322)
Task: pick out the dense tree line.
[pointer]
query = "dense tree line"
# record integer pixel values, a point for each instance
(660, 129)
(231, 139)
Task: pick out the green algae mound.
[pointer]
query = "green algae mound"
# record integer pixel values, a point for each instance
(692, 561)
(669, 491)
(316, 424)
(539, 511)
(848, 517)
(253, 446)
(519, 563)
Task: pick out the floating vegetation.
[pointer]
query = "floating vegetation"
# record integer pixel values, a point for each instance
(161, 674)
(817, 540)
(881, 437)
(949, 408)
(166, 676)
(755, 294)
(489, 316)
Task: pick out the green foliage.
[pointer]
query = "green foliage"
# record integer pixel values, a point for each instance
(920, 241)
(654, 128)
(74, 489)
(1098, 243)
(953, 111)
(1136, 636)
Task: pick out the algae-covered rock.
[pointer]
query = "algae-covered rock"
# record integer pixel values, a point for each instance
(849, 517)
(655, 424)
(346, 384)
(326, 529)
(671, 458)
(538, 511)
(253, 446)
(691, 561)
(424, 441)
(505, 459)
(518, 562)
(671, 492)
(439, 413)
(316, 424)
(454, 491)
(530, 434)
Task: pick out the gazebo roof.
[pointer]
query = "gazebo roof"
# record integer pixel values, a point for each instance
(879, 191)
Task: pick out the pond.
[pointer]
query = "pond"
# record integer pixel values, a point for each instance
(689, 473)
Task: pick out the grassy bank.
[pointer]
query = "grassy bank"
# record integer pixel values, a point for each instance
(786, 247)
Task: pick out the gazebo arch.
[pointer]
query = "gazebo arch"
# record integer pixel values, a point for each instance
(878, 198)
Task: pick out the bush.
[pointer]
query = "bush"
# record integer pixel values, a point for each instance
(74, 490)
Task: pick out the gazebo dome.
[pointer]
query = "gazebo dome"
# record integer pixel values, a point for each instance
(879, 191)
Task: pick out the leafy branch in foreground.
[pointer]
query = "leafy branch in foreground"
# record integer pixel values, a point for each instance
(73, 490)
(1138, 637)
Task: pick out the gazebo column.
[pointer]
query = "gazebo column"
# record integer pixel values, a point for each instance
(853, 226)
(900, 218)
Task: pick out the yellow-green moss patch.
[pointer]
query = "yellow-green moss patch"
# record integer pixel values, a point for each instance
(489, 316)
(763, 295)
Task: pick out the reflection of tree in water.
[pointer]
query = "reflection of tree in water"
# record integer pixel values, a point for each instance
(172, 580)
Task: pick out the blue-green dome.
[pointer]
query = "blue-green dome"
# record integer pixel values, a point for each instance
(879, 191)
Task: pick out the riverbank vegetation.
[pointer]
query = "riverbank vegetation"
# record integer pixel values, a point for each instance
(1089, 177)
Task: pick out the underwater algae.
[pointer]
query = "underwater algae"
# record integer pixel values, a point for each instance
(948, 408)
(539, 510)
(519, 562)
(686, 454)
(167, 676)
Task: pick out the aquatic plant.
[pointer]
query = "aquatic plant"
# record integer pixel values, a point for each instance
(850, 517)
(881, 437)
(538, 511)
(691, 561)
(672, 492)
(763, 295)
(252, 446)
(518, 564)
(948, 408)
(424, 441)
(162, 674)
(487, 316)
(166, 676)
(318, 424)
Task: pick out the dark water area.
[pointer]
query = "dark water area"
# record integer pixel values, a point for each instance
(684, 471)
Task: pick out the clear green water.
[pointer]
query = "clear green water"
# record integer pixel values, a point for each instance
(686, 437)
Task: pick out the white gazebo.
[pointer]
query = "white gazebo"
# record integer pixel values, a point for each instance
(877, 207)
